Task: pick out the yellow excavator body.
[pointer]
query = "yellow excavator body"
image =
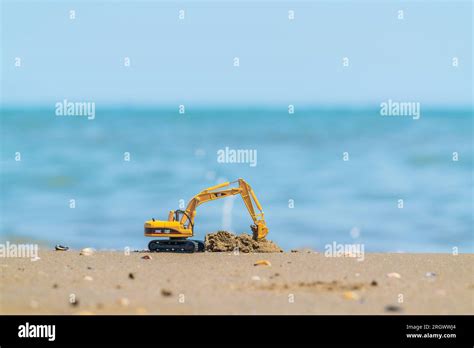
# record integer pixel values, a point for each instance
(180, 223)
(172, 229)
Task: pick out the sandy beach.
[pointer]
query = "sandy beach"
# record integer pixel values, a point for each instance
(65, 282)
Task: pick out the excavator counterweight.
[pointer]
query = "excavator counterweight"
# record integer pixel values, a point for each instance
(180, 223)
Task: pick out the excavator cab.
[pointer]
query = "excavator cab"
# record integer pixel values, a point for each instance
(172, 228)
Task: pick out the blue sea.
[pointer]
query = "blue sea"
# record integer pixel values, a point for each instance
(310, 195)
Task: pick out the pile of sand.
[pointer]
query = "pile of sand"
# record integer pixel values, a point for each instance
(226, 241)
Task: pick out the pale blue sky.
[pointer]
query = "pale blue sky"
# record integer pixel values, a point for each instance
(281, 61)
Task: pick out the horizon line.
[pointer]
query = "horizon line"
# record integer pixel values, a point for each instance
(234, 106)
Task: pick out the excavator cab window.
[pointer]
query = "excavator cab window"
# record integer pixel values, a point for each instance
(178, 214)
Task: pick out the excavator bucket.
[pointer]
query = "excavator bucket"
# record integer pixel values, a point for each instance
(260, 231)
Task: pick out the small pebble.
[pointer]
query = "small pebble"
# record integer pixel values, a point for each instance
(146, 257)
(394, 275)
(166, 293)
(430, 274)
(123, 301)
(374, 283)
(88, 278)
(131, 276)
(61, 248)
(55, 286)
(262, 263)
(255, 277)
(303, 250)
(87, 252)
(392, 308)
(350, 295)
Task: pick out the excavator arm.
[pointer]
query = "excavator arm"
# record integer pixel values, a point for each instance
(259, 229)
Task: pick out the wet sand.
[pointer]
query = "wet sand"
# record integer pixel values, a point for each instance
(226, 283)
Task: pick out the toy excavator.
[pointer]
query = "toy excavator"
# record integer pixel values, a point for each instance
(180, 224)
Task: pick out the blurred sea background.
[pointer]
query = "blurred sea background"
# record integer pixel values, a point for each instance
(336, 62)
(299, 158)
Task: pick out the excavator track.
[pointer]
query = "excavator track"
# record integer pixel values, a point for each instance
(176, 246)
